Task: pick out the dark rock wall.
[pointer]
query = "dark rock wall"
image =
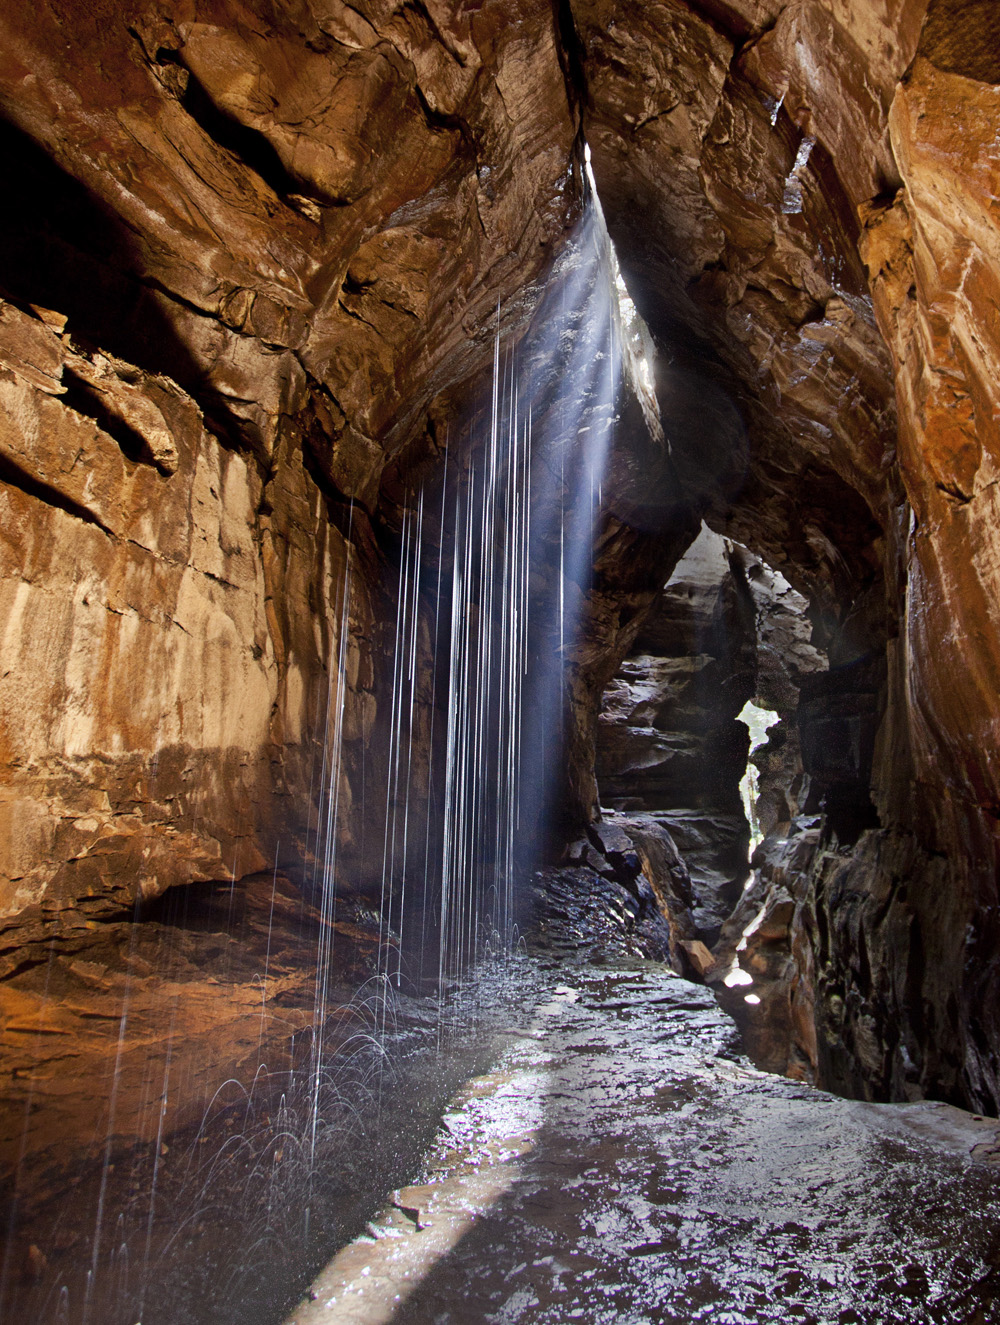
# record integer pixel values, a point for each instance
(670, 746)
(726, 629)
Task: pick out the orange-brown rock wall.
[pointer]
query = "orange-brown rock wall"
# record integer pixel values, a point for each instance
(254, 252)
(271, 236)
(804, 201)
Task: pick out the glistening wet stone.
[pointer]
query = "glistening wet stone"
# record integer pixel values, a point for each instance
(624, 1164)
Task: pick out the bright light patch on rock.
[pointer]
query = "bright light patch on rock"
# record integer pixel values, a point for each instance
(759, 720)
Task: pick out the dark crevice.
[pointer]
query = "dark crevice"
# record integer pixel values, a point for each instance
(442, 121)
(954, 493)
(353, 286)
(248, 145)
(357, 317)
(14, 476)
(572, 56)
(657, 115)
(915, 967)
(63, 248)
(87, 400)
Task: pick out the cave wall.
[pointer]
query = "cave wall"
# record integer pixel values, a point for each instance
(246, 249)
(824, 247)
(251, 255)
(254, 263)
(670, 747)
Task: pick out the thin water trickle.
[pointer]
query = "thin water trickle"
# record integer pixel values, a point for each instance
(326, 857)
(489, 597)
(516, 526)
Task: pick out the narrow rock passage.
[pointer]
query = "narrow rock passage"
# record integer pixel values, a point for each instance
(623, 1163)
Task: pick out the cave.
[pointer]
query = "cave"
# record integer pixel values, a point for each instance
(500, 661)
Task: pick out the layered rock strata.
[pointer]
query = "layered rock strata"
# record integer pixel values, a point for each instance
(253, 269)
(251, 249)
(830, 195)
(670, 746)
(271, 241)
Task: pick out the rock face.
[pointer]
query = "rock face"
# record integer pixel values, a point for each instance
(789, 668)
(831, 177)
(268, 254)
(764, 964)
(734, 142)
(623, 888)
(932, 253)
(251, 251)
(251, 283)
(670, 745)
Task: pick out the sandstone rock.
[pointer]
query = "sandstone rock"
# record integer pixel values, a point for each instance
(786, 167)
(250, 280)
(699, 956)
(669, 743)
(199, 1013)
(748, 241)
(576, 909)
(269, 255)
(772, 935)
(613, 841)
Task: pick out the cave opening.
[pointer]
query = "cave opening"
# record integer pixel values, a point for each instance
(498, 663)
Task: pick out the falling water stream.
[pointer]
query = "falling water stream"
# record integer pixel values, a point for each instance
(494, 569)
(430, 1058)
(227, 1219)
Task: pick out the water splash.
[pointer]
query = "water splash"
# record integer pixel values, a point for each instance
(490, 599)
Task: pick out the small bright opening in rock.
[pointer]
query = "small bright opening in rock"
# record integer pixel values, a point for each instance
(636, 338)
(737, 976)
(751, 998)
(752, 928)
(759, 720)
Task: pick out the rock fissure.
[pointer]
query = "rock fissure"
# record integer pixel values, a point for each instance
(28, 483)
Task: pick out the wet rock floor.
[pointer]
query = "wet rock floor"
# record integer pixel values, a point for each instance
(623, 1163)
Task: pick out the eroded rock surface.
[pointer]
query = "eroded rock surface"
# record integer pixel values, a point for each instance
(272, 240)
(252, 248)
(623, 889)
(251, 277)
(792, 175)
(670, 747)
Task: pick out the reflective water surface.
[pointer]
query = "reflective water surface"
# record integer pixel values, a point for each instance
(622, 1163)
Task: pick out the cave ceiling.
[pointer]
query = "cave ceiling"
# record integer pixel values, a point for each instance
(312, 210)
